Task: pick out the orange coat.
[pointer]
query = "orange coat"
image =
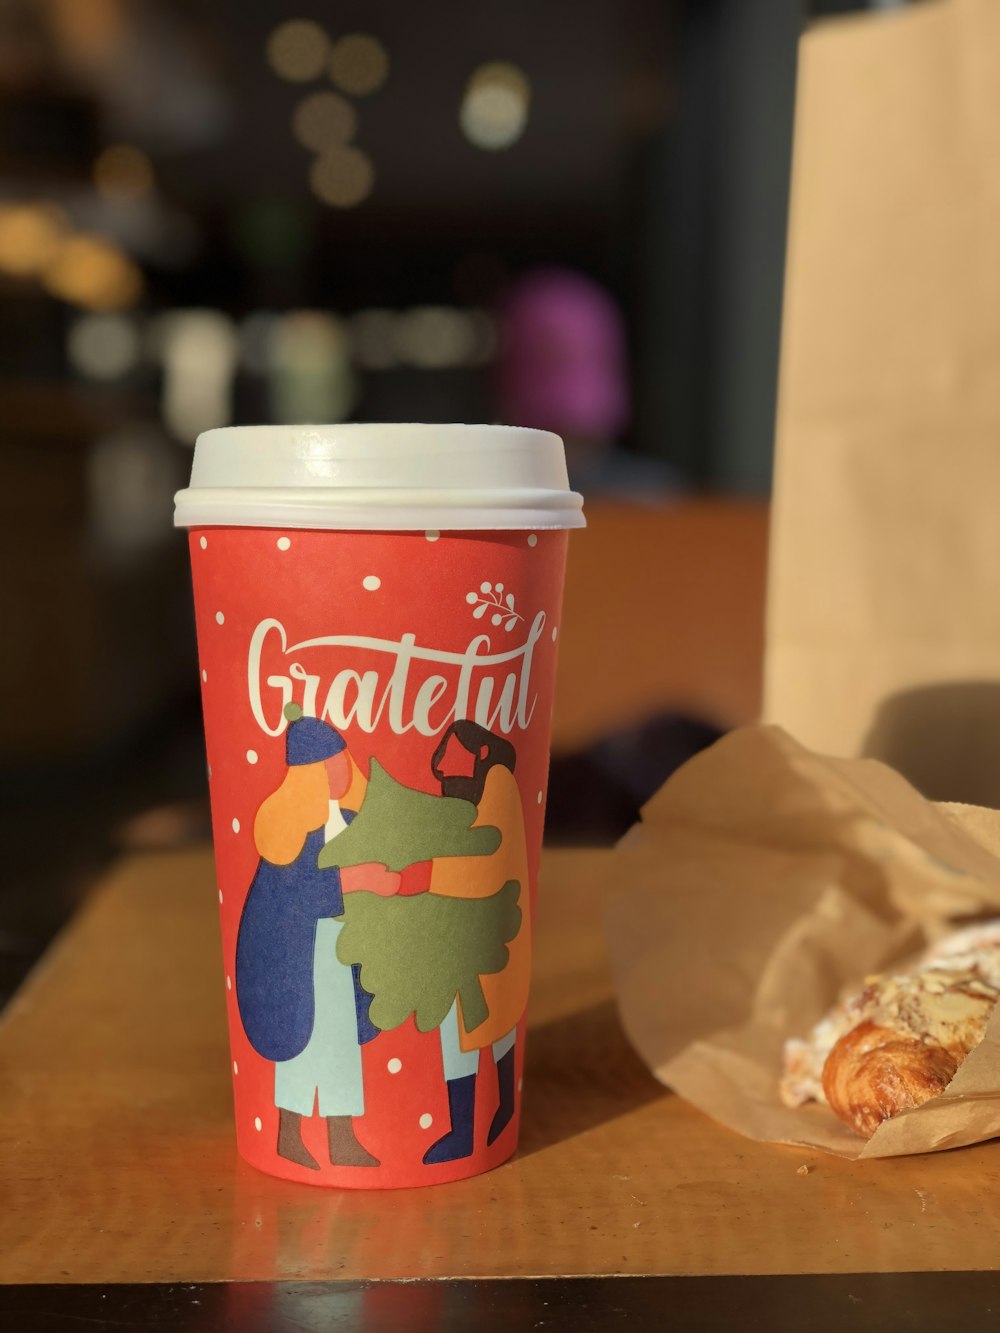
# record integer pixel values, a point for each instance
(506, 992)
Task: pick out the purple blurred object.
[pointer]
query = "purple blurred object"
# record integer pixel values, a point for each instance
(562, 358)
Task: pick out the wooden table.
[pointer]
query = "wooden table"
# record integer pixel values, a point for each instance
(117, 1162)
(118, 1166)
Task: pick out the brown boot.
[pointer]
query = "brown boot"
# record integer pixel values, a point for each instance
(345, 1150)
(290, 1145)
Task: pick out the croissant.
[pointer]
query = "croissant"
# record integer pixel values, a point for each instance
(873, 1073)
(900, 1041)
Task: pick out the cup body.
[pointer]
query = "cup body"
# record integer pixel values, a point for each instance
(377, 715)
(377, 612)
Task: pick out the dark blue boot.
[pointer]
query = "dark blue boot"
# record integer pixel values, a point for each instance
(505, 1082)
(458, 1141)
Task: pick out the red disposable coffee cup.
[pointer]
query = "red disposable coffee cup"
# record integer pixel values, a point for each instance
(377, 612)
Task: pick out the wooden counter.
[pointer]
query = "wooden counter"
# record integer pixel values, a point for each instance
(117, 1160)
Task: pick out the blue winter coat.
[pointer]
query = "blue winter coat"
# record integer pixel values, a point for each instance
(274, 953)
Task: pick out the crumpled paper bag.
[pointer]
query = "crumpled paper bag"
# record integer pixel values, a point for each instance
(763, 883)
(883, 620)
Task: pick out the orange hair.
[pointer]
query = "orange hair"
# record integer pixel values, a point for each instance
(300, 805)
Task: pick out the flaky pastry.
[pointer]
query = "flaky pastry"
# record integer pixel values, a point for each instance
(900, 1041)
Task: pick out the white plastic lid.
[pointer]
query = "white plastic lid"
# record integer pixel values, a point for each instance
(379, 477)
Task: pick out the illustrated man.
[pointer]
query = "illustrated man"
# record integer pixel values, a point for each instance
(475, 765)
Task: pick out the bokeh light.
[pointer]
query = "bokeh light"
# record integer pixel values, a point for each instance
(435, 337)
(373, 339)
(342, 177)
(91, 271)
(30, 237)
(494, 110)
(298, 50)
(104, 347)
(310, 372)
(323, 120)
(200, 351)
(123, 172)
(359, 64)
(256, 333)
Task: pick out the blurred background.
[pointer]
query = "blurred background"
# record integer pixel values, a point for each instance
(568, 215)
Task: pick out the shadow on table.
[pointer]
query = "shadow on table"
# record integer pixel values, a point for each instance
(595, 794)
(580, 1072)
(943, 738)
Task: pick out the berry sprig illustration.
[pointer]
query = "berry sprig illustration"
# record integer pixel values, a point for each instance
(491, 597)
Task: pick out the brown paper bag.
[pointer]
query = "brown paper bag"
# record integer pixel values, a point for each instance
(765, 882)
(884, 618)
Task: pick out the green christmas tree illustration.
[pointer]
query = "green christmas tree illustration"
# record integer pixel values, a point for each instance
(417, 953)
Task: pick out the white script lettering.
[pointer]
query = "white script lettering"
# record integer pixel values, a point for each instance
(493, 688)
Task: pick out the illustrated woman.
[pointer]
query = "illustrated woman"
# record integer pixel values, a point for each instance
(300, 1006)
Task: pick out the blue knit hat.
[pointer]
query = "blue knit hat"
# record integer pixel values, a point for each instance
(309, 740)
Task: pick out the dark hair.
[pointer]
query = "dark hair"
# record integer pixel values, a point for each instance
(488, 749)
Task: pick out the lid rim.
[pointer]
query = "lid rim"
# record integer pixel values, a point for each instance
(373, 508)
